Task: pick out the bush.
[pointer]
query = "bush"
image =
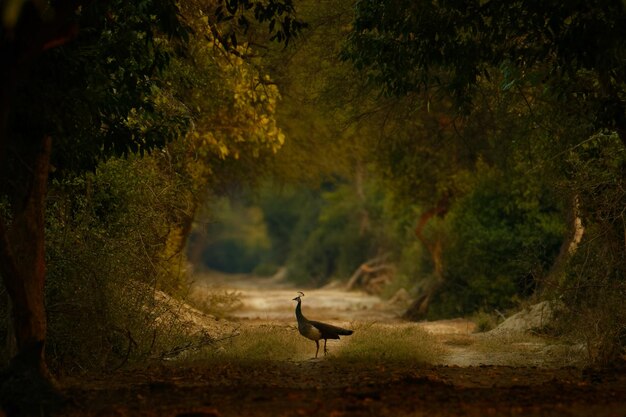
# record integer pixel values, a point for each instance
(484, 321)
(326, 237)
(110, 239)
(593, 288)
(503, 238)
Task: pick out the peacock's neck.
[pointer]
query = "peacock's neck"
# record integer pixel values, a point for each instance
(299, 314)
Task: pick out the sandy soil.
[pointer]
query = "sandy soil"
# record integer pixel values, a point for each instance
(520, 381)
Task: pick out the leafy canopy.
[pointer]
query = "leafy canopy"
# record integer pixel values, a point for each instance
(451, 46)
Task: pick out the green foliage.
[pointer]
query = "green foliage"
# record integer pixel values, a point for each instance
(137, 80)
(540, 87)
(108, 250)
(333, 239)
(594, 286)
(289, 214)
(237, 237)
(116, 235)
(280, 15)
(504, 235)
(318, 234)
(426, 35)
(85, 93)
(408, 46)
(261, 231)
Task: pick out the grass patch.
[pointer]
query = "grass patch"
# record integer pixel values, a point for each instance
(457, 340)
(484, 321)
(370, 343)
(378, 343)
(267, 342)
(505, 342)
(523, 349)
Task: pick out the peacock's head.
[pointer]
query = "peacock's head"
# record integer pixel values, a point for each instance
(301, 294)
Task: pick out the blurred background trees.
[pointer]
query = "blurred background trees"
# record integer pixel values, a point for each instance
(463, 142)
(469, 154)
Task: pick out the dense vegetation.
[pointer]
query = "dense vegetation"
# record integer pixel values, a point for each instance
(471, 154)
(463, 150)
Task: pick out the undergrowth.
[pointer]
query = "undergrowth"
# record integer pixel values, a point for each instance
(484, 321)
(379, 343)
(260, 343)
(524, 349)
(370, 343)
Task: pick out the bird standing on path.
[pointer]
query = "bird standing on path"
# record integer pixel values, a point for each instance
(315, 330)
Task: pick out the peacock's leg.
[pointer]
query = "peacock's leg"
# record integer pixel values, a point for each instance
(318, 347)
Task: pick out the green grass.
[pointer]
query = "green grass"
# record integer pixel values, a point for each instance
(523, 349)
(370, 343)
(378, 343)
(484, 321)
(262, 342)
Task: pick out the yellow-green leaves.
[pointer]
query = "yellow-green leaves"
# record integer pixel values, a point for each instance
(235, 110)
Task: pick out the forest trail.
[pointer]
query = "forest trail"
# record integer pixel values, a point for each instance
(467, 381)
(270, 301)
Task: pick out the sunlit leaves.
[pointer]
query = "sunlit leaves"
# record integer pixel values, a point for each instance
(230, 105)
(234, 112)
(10, 12)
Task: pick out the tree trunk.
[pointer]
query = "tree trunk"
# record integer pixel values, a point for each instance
(26, 386)
(22, 257)
(419, 307)
(550, 284)
(22, 251)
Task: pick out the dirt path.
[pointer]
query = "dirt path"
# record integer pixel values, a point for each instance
(269, 300)
(467, 382)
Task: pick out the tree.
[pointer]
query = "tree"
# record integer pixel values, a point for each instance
(563, 68)
(44, 58)
(79, 75)
(574, 50)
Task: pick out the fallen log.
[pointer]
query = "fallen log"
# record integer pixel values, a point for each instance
(372, 275)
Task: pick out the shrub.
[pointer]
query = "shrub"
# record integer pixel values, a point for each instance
(110, 239)
(484, 321)
(503, 237)
(593, 288)
(329, 240)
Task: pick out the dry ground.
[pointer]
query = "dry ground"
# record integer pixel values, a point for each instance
(470, 375)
